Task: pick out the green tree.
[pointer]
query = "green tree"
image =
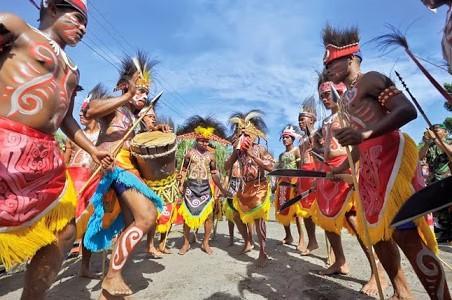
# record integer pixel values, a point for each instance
(448, 87)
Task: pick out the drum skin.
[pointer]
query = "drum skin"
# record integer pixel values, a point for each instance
(155, 154)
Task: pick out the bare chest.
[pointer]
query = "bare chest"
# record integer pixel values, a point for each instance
(37, 82)
(361, 110)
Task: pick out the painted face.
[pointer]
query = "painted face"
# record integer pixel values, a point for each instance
(70, 25)
(150, 120)
(337, 70)
(287, 140)
(304, 122)
(202, 144)
(327, 100)
(139, 100)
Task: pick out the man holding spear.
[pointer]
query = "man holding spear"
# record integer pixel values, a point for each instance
(122, 201)
(388, 162)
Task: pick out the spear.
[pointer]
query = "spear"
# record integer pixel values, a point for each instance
(370, 253)
(397, 38)
(419, 108)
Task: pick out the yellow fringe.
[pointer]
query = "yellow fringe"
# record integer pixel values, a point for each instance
(164, 228)
(195, 221)
(338, 222)
(400, 192)
(286, 219)
(19, 246)
(167, 188)
(228, 211)
(260, 212)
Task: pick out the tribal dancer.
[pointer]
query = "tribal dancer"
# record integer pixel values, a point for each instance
(234, 183)
(122, 201)
(306, 120)
(336, 210)
(81, 166)
(388, 164)
(198, 205)
(38, 83)
(253, 200)
(286, 187)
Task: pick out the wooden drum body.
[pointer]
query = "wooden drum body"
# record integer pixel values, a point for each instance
(155, 154)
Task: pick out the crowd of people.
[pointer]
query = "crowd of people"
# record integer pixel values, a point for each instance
(119, 180)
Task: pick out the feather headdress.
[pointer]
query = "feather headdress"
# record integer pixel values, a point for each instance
(202, 127)
(308, 108)
(340, 43)
(250, 123)
(99, 91)
(291, 131)
(129, 66)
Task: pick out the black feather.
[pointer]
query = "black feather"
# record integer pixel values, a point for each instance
(340, 37)
(195, 121)
(395, 38)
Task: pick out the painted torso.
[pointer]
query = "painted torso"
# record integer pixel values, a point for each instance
(113, 128)
(305, 149)
(288, 159)
(81, 158)
(250, 170)
(361, 109)
(198, 168)
(332, 148)
(37, 82)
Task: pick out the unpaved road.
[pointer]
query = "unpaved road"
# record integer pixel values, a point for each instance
(227, 275)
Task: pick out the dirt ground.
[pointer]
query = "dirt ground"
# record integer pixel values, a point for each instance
(226, 274)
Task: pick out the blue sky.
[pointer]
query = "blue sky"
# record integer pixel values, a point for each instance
(219, 57)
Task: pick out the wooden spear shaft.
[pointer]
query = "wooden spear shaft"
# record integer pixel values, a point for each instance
(173, 208)
(360, 203)
(122, 141)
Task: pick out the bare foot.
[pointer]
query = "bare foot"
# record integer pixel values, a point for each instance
(397, 297)
(163, 249)
(311, 247)
(184, 249)
(116, 286)
(247, 247)
(262, 260)
(85, 273)
(336, 268)
(371, 288)
(287, 241)
(206, 248)
(154, 253)
(231, 242)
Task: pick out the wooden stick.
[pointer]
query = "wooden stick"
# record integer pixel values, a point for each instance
(103, 263)
(444, 263)
(174, 206)
(356, 187)
(121, 142)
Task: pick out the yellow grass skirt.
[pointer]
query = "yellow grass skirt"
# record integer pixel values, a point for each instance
(21, 245)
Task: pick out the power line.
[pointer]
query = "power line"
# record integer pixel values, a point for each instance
(111, 35)
(100, 55)
(115, 30)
